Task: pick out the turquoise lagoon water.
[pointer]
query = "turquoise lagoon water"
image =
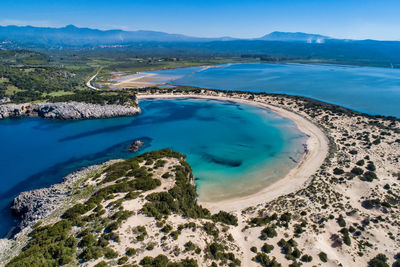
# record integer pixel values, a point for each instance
(234, 149)
(366, 89)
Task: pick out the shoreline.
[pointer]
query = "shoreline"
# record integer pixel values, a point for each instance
(317, 150)
(144, 79)
(66, 110)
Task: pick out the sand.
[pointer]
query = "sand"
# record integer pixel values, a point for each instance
(89, 83)
(145, 79)
(317, 149)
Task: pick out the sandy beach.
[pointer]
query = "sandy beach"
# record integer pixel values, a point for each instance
(145, 79)
(317, 149)
(140, 81)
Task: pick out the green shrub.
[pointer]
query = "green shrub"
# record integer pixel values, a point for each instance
(167, 228)
(360, 162)
(369, 176)
(131, 195)
(159, 163)
(130, 252)
(211, 229)
(149, 162)
(286, 246)
(268, 232)
(90, 253)
(323, 257)
(101, 264)
(285, 217)
(341, 221)
(353, 152)
(357, 171)
(296, 253)
(109, 253)
(225, 217)
(371, 166)
(338, 171)
(166, 175)
(163, 261)
(265, 261)
(306, 258)
(189, 246)
(386, 186)
(122, 260)
(346, 236)
(175, 234)
(160, 260)
(379, 260)
(266, 248)
(87, 240)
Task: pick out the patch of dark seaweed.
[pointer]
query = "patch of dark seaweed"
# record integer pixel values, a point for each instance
(222, 161)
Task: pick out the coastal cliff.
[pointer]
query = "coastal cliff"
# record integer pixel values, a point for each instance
(66, 110)
(35, 205)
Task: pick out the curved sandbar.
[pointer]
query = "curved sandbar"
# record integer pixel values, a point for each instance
(317, 150)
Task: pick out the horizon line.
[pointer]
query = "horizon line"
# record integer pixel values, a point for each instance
(203, 37)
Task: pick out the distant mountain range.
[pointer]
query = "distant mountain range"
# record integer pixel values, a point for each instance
(271, 47)
(74, 36)
(294, 37)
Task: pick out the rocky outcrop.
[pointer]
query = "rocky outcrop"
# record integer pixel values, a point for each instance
(4, 100)
(34, 205)
(135, 146)
(66, 111)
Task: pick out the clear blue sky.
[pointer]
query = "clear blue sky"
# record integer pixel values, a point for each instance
(356, 19)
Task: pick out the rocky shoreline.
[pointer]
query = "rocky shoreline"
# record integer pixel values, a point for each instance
(66, 111)
(34, 205)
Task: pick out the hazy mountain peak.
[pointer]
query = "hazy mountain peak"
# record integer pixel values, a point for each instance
(294, 37)
(70, 26)
(71, 35)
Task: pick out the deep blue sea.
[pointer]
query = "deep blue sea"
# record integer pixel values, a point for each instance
(371, 90)
(234, 149)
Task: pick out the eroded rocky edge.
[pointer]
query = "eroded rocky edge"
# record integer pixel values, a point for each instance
(35, 205)
(66, 110)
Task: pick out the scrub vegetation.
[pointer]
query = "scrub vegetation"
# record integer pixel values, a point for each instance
(90, 230)
(27, 76)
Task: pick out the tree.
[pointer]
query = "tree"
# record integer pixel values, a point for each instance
(379, 260)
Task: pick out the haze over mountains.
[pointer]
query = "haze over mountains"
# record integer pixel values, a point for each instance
(73, 36)
(273, 46)
(294, 37)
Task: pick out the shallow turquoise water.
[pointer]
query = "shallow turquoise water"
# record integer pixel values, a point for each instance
(234, 149)
(366, 89)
